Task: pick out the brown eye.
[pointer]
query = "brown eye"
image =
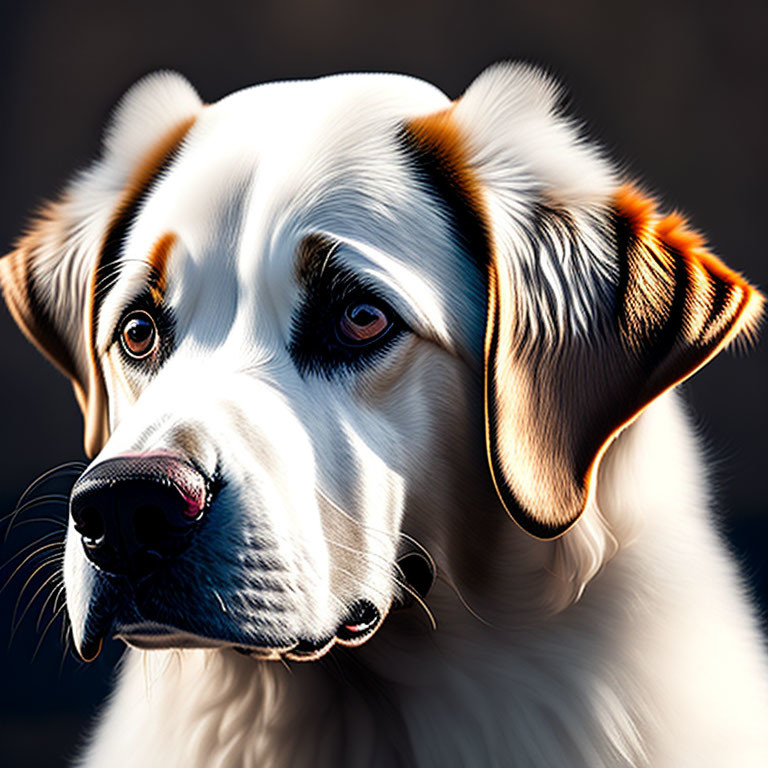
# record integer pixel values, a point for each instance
(139, 334)
(362, 323)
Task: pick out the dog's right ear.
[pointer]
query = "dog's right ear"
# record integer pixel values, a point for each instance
(50, 281)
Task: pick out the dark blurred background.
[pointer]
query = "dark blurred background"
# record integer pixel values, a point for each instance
(675, 90)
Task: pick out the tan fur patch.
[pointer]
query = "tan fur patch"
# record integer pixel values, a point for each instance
(553, 412)
(440, 136)
(158, 260)
(135, 188)
(17, 280)
(667, 241)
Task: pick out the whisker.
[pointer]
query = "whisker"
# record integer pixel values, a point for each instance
(57, 572)
(112, 271)
(45, 632)
(220, 600)
(472, 612)
(48, 499)
(401, 582)
(420, 600)
(112, 265)
(34, 543)
(16, 624)
(417, 597)
(424, 551)
(388, 536)
(28, 558)
(67, 645)
(55, 591)
(53, 520)
(66, 625)
(59, 594)
(338, 568)
(106, 284)
(67, 468)
(328, 256)
(358, 552)
(62, 631)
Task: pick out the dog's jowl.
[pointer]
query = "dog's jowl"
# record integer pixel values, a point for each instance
(388, 468)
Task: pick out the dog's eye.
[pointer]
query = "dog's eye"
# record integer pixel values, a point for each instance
(138, 334)
(362, 323)
(343, 324)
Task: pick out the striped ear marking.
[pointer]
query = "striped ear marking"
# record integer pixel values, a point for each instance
(552, 412)
(18, 280)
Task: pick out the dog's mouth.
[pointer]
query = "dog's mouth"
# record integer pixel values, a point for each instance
(116, 615)
(361, 622)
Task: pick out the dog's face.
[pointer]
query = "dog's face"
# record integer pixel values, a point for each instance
(314, 317)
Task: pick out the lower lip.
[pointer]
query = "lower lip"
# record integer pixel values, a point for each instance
(165, 638)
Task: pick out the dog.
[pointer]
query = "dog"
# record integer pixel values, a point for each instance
(328, 337)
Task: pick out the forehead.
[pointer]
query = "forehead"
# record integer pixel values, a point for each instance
(267, 166)
(292, 153)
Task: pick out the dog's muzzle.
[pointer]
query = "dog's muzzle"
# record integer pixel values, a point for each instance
(135, 512)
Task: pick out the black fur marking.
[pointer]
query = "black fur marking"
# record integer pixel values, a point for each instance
(439, 178)
(315, 346)
(108, 266)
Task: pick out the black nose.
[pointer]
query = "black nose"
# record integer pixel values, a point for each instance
(135, 512)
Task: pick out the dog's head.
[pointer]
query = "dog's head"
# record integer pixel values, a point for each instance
(315, 317)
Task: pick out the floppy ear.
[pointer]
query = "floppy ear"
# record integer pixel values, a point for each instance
(553, 405)
(49, 281)
(596, 303)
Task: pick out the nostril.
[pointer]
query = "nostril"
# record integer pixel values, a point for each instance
(90, 525)
(150, 526)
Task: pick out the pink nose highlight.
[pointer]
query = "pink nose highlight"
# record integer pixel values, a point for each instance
(190, 484)
(194, 506)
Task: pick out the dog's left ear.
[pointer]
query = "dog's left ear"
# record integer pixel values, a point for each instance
(596, 303)
(51, 281)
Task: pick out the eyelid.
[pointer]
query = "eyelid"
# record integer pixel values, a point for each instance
(316, 345)
(407, 292)
(368, 286)
(132, 286)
